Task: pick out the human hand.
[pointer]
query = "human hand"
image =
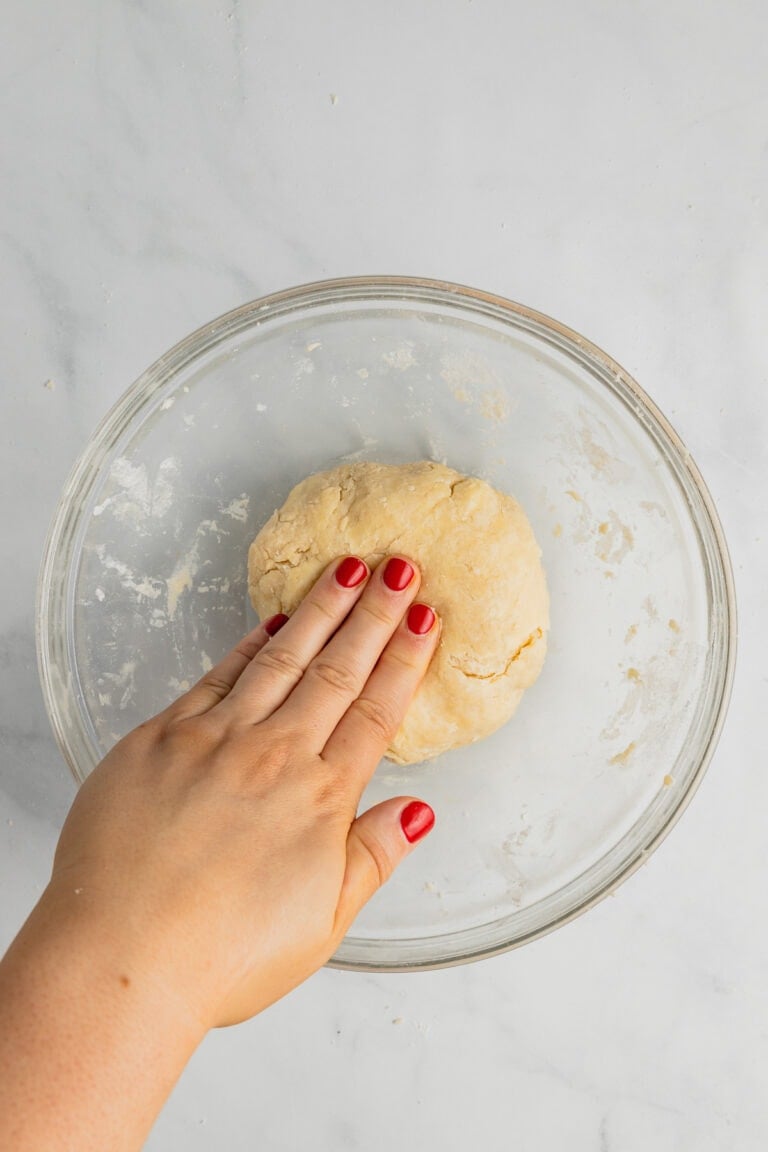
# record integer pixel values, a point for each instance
(217, 846)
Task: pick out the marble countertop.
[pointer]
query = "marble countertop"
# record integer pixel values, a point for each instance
(604, 163)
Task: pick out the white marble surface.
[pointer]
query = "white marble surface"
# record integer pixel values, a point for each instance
(604, 162)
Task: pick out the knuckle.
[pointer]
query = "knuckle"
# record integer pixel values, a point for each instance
(341, 677)
(403, 661)
(187, 739)
(381, 718)
(325, 610)
(282, 661)
(274, 757)
(219, 687)
(377, 612)
(142, 740)
(248, 648)
(149, 731)
(380, 860)
(332, 794)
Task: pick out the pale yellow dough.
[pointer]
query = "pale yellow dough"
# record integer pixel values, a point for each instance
(481, 570)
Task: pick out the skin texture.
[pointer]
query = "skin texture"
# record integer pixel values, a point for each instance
(210, 863)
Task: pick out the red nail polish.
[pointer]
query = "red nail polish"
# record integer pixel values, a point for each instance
(420, 619)
(351, 572)
(397, 574)
(275, 623)
(416, 819)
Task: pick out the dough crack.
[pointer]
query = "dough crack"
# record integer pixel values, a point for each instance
(491, 676)
(280, 563)
(457, 484)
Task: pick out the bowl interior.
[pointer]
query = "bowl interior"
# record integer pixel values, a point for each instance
(146, 581)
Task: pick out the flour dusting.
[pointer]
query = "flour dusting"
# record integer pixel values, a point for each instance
(134, 497)
(181, 580)
(237, 509)
(140, 585)
(400, 358)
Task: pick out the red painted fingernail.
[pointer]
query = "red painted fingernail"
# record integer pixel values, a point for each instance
(275, 623)
(420, 619)
(397, 574)
(416, 819)
(351, 572)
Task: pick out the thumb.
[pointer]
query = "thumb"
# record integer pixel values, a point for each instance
(378, 840)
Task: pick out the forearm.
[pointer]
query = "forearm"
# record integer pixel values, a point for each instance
(90, 1046)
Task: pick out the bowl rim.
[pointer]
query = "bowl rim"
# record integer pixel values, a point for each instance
(50, 647)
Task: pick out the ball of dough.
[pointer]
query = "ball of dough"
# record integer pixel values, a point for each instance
(481, 570)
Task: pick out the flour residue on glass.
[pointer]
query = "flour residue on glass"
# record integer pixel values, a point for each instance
(135, 496)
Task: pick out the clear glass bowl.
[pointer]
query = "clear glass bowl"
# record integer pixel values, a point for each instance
(143, 582)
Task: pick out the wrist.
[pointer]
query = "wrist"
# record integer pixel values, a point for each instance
(91, 1033)
(106, 953)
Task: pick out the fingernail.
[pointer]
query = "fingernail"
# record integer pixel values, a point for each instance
(275, 623)
(351, 572)
(420, 619)
(397, 574)
(416, 819)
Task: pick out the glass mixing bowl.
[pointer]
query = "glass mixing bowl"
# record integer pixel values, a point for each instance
(143, 581)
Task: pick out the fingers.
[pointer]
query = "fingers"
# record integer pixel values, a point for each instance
(219, 682)
(338, 674)
(377, 842)
(276, 669)
(371, 721)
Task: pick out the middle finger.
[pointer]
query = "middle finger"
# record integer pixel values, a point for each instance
(339, 673)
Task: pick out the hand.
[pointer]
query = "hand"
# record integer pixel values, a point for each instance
(217, 846)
